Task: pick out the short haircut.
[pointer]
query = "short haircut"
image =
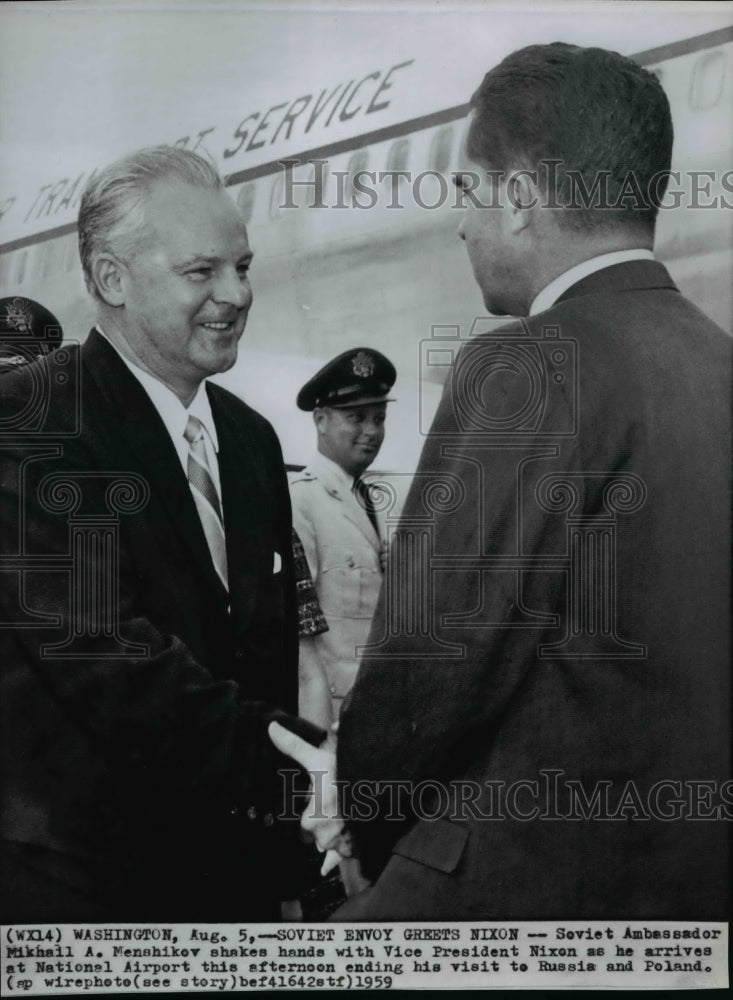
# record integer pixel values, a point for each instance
(580, 117)
(111, 217)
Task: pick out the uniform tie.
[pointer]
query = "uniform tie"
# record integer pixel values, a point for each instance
(364, 495)
(205, 496)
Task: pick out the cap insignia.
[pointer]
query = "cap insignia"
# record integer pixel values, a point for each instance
(19, 316)
(363, 364)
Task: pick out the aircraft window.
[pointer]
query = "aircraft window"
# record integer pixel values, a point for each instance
(399, 154)
(48, 258)
(71, 255)
(276, 197)
(304, 190)
(310, 193)
(440, 149)
(43, 258)
(20, 272)
(465, 126)
(359, 161)
(708, 76)
(246, 200)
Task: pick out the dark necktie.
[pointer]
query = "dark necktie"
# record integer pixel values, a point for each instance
(364, 496)
(206, 497)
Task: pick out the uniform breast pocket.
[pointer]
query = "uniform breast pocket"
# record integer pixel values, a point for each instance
(349, 585)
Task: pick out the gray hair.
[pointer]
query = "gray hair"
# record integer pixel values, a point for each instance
(111, 210)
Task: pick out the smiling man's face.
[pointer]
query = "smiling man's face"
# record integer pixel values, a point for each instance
(186, 287)
(351, 436)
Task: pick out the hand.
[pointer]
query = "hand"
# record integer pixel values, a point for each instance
(321, 818)
(342, 849)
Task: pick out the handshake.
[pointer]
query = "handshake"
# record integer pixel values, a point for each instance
(325, 824)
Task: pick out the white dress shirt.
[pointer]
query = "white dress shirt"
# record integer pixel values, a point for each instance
(552, 292)
(175, 415)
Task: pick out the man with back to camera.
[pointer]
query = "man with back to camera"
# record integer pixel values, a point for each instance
(142, 665)
(334, 515)
(573, 690)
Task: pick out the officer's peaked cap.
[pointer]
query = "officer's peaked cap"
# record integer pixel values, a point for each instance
(356, 377)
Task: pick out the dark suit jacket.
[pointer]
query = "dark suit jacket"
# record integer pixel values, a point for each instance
(573, 498)
(138, 777)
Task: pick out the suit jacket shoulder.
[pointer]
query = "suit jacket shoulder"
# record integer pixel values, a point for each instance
(227, 400)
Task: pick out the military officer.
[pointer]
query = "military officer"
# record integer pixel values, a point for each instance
(333, 513)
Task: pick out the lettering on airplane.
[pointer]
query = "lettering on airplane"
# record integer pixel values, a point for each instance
(48, 201)
(364, 96)
(6, 204)
(282, 122)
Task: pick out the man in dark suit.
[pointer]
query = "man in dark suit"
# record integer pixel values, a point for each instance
(554, 714)
(149, 622)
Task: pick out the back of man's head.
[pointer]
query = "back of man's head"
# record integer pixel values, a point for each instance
(595, 126)
(111, 216)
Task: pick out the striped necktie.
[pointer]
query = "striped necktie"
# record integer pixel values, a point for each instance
(205, 496)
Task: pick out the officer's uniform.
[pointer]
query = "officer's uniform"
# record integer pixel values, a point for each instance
(343, 553)
(341, 543)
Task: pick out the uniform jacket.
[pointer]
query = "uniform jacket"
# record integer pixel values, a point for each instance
(137, 763)
(578, 565)
(343, 552)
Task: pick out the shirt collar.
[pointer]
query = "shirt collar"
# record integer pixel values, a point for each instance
(552, 292)
(170, 409)
(342, 479)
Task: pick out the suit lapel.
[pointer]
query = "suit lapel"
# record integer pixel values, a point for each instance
(138, 428)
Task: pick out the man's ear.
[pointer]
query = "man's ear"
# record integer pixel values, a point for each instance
(523, 197)
(319, 419)
(107, 272)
